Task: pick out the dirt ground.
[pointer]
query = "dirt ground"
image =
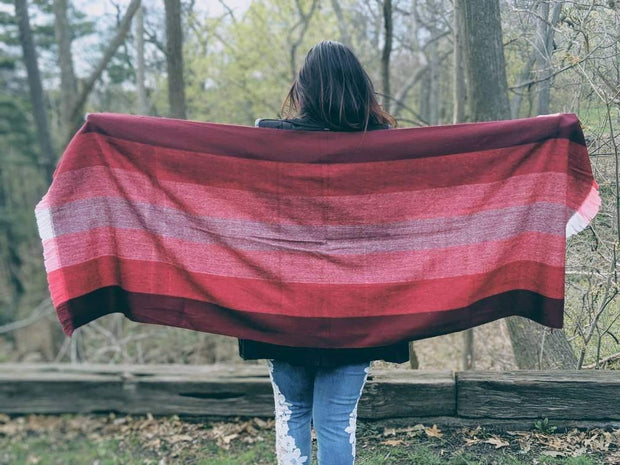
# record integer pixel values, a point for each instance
(144, 439)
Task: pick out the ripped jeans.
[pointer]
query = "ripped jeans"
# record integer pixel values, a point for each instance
(325, 396)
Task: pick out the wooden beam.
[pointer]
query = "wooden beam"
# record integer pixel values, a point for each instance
(561, 394)
(245, 390)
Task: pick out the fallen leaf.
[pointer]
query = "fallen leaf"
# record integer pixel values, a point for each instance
(154, 444)
(472, 441)
(578, 452)
(434, 432)
(525, 445)
(393, 442)
(410, 430)
(471, 431)
(497, 442)
(180, 437)
(229, 438)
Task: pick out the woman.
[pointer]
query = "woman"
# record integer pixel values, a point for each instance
(323, 386)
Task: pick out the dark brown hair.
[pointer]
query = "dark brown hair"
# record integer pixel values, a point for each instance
(332, 87)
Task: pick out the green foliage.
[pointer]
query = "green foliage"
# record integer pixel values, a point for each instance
(17, 141)
(245, 72)
(543, 426)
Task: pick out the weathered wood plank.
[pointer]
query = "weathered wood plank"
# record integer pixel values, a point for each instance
(557, 394)
(408, 393)
(202, 390)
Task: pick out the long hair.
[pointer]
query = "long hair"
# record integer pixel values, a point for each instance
(333, 87)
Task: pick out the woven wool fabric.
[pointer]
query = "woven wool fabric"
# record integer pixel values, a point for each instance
(315, 239)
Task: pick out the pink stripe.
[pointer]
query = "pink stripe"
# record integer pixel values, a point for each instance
(350, 209)
(290, 266)
(591, 204)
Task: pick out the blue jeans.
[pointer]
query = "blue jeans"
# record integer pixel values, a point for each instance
(328, 398)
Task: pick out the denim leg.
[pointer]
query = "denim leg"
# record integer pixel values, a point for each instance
(292, 390)
(336, 395)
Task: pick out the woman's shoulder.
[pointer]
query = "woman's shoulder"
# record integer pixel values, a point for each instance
(294, 123)
(303, 124)
(270, 123)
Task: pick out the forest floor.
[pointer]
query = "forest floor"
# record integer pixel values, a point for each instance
(144, 439)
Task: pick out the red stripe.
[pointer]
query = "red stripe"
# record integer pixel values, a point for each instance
(164, 164)
(303, 299)
(304, 266)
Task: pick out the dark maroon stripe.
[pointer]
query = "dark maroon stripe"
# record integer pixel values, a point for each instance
(331, 147)
(305, 332)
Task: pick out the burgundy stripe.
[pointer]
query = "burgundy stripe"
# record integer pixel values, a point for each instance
(307, 331)
(414, 174)
(331, 147)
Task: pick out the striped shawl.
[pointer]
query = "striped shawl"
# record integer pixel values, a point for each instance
(315, 239)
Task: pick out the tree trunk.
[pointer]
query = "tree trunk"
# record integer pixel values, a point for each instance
(68, 82)
(433, 96)
(413, 357)
(524, 76)
(424, 102)
(304, 22)
(420, 70)
(143, 106)
(46, 155)
(387, 51)
(342, 24)
(545, 54)
(488, 100)
(469, 359)
(487, 88)
(9, 243)
(9, 255)
(73, 99)
(174, 59)
(459, 95)
(540, 348)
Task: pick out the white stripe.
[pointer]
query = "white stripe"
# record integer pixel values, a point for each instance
(576, 224)
(586, 212)
(44, 223)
